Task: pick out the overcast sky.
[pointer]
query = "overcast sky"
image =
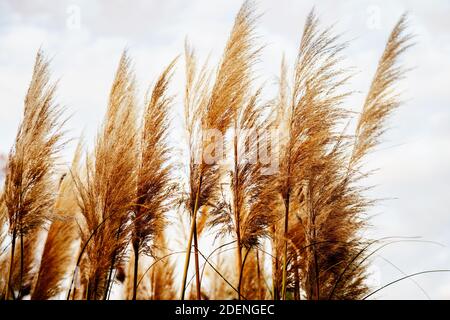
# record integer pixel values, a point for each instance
(85, 40)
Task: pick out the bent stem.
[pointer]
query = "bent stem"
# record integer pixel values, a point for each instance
(403, 278)
(110, 280)
(258, 274)
(13, 243)
(239, 261)
(286, 229)
(220, 275)
(83, 249)
(241, 271)
(197, 267)
(188, 251)
(236, 207)
(21, 263)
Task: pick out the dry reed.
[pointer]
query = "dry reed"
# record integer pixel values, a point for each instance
(154, 189)
(214, 110)
(108, 219)
(29, 185)
(107, 191)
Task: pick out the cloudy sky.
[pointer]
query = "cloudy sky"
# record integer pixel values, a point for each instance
(85, 40)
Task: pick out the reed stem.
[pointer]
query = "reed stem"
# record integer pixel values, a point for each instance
(286, 229)
(191, 236)
(11, 264)
(197, 266)
(136, 269)
(21, 264)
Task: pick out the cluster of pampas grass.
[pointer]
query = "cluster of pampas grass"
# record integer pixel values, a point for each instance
(292, 234)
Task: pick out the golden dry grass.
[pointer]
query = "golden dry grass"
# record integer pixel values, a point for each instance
(292, 234)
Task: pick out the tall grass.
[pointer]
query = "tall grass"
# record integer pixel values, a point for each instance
(154, 188)
(57, 258)
(214, 109)
(292, 233)
(28, 194)
(106, 193)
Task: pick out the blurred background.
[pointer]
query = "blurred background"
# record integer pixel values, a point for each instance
(86, 38)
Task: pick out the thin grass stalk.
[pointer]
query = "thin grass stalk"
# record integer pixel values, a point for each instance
(191, 236)
(197, 264)
(220, 275)
(241, 272)
(285, 246)
(296, 279)
(239, 263)
(82, 251)
(275, 264)
(21, 263)
(236, 209)
(111, 268)
(258, 273)
(9, 286)
(404, 278)
(57, 256)
(135, 270)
